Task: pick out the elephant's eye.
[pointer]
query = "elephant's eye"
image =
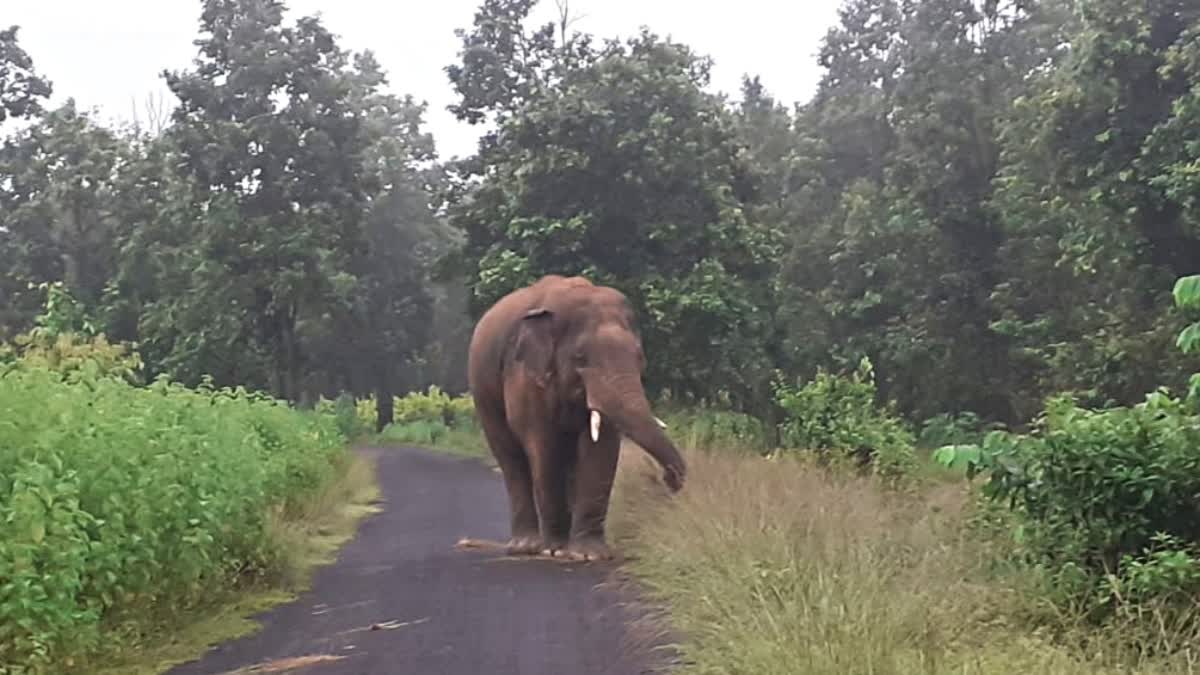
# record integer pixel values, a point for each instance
(580, 359)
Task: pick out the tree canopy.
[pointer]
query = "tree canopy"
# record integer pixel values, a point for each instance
(990, 200)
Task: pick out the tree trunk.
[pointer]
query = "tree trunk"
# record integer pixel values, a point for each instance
(384, 407)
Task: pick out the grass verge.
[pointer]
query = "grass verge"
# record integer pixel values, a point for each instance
(773, 566)
(308, 537)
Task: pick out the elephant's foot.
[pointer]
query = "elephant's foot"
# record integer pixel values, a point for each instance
(524, 545)
(553, 548)
(587, 549)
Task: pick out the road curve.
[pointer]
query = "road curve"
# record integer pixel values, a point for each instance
(401, 599)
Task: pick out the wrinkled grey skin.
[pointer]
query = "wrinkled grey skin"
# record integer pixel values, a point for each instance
(543, 361)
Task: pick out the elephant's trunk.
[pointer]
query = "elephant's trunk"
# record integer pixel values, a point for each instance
(621, 401)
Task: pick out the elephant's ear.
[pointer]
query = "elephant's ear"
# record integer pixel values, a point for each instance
(534, 348)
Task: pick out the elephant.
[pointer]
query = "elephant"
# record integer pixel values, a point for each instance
(555, 371)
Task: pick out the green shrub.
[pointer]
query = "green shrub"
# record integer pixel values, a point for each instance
(1109, 496)
(435, 404)
(837, 416)
(73, 356)
(117, 499)
(364, 409)
(461, 410)
(345, 411)
(1187, 297)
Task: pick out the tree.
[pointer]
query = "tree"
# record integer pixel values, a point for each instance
(59, 207)
(628, 172)
(269, 135)
(393, 303)
(1097, 217)
(893, 245)
(22, 90)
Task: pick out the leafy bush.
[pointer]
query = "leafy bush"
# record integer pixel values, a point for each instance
(1169, 570)
(117, 499)
(1187, 297)
(358, 416)
(430, 418)
(346, 412)
(74, 356)
(1097, 490)
(364, 409)
(65, 340)
(435, 404)
(837, 416)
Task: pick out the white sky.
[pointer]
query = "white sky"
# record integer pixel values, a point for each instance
(108, 54)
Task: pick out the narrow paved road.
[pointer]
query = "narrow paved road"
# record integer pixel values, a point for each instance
(401, 599)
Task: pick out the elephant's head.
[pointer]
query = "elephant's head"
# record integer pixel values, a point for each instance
(582, 345)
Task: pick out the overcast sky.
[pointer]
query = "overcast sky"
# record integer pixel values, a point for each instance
(109, 54)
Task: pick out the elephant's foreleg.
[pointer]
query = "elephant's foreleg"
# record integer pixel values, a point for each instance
(595, 472)
(549, 466)
(514, 466)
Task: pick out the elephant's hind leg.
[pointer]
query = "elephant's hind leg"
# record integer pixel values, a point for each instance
(510, 456)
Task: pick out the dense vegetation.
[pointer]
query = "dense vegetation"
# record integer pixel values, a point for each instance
(989, 200)
(121, 503)
(982, 232)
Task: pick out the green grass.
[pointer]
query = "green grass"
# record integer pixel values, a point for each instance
(773, 566)
(124, 510)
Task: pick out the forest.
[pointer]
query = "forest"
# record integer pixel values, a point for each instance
(980, 234)
(991, 201)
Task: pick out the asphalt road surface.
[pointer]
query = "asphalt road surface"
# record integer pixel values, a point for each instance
(401, 599)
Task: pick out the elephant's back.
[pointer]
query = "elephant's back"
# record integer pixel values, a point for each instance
(493, 331)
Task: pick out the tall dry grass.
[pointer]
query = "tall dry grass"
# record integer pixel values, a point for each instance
(774, 566)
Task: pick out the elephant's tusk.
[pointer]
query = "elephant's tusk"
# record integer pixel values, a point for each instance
(660, 423)
(595, 426)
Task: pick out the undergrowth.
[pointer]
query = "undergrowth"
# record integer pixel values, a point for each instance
(431, 419)
(777, 566)
(119, 504)
(307, 538)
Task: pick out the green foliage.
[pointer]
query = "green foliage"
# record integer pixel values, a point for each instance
(1169, 570)
(65, 341)
(61, 313)
(837, 416)
(1096, 217)
(422, 418)
(435, 404)
(22, 90)
(119, 500)
(1097, 489)
(77, 358)
(1187, 296)
(351, 421)
(434, 419)
(946, 429)
(60, 205)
